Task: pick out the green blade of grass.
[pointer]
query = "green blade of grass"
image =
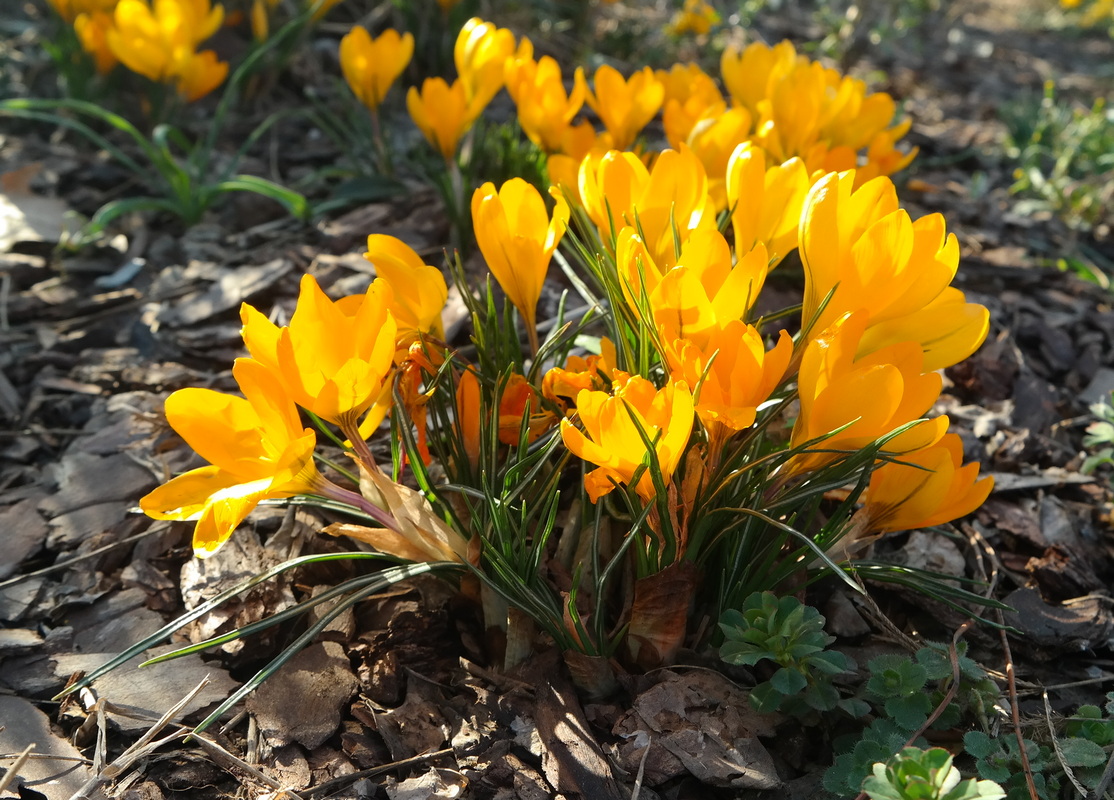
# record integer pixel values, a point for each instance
(292, 201)
(387, 578)
(167, 630)
(267, 622)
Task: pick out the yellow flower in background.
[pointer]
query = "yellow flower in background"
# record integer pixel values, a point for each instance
(733, 373)
(608, 185)
(159, 41)
(418, 290)
(696, 16)
(545, 109)
(70, 10)
(517, 238)
(686, 82)
(748, 74)
(675, 196)
(370, 65)
(624, 106)
(257, 449)
(691, 95)
(928, 487)
(92, 30)
(872, 395)
(713, 140)
(882, 157)
(765, 202)
(611, 440)
(618, 190)
(260, 18)
(447, 5)
(802, 109)
(1099, 10)
(442, 113)
(334, 358)
(480, 54)
(202, 74)
(858, 245)
(577, 143)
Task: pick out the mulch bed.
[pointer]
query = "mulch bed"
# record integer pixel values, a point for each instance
(397, 699)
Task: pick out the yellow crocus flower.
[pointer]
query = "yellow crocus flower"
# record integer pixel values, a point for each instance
(70, 10)
(685, 82)
(858, 245)
(545, 109)
(159, 41)
(563, 168)
(696, 16)
(561, 386)
(334, 358)
(256, 446)
(469, 407)
(418, 290)
(370, 65)
(872, 395)
(517, 238)
(733, 373)
(924, 488)
(624, 106)
(480, 54)
(92, 30)
(611, 440)
(703, 291)
(749, 73)
(202, 73)
(713, 140)
(520, 400)
(618, 190)
(442, 113)
(765, 202)
(608, 185)
(691, 95)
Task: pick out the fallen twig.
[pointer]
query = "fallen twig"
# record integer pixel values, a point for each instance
(146, 745)
(336, 783)
(13, 770)
(219, 754)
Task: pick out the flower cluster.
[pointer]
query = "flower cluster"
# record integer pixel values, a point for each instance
(710, 430)
(157, 39)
